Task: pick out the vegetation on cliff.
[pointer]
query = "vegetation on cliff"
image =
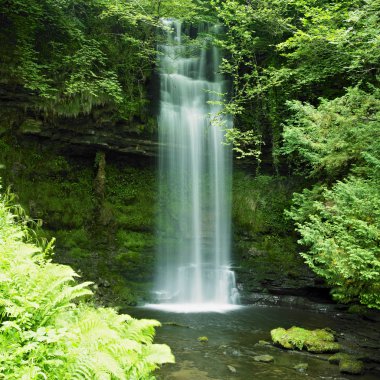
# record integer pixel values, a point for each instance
(111, 243)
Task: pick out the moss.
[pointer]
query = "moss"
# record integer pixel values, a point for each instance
(132, 192)
(136, 265)
(353, 367)
(316, 341)
(259, 202)
(336, 358)
(59, 190)
(266, 242)
(301, 367)
(203, 339)
(134, 240)
(358, 309)
(31, 126)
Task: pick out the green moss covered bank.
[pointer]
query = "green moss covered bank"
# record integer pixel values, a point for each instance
(265, 242)
(103, 229)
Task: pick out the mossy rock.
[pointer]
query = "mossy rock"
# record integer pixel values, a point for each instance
(203, 339)
(353, 367)
(336, 358)
(301, 367)
(316, 341)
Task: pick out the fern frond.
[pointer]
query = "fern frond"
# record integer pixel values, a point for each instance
(45, 334)
(158, 354)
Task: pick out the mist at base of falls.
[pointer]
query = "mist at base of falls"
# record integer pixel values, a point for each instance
(195, 167)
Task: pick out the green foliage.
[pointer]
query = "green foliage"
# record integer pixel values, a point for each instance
(132, 192)
(135, 254)
(280, 51)
(47, 331)
(341, 230)
(265, 239)
(329, 139)
(259, 202)
(75, 55)
(306, 84)
(339, 224)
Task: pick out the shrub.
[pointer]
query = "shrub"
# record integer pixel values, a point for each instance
(339, 221)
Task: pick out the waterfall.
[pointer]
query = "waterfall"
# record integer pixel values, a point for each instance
(194, 217)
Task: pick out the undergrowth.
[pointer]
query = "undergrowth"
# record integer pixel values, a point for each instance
(49, 331)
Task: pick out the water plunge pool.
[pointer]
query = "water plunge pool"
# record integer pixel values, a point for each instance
(233, 342)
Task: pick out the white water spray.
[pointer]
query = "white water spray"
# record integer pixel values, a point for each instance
(194, 221)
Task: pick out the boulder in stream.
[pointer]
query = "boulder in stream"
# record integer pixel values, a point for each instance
(352, 367)
(315, 341)
(301, 367)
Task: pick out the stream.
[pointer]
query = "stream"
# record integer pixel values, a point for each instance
(233, 341)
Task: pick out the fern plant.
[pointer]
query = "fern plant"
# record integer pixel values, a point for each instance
(49, 331)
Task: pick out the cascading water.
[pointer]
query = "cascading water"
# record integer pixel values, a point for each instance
(194, 177)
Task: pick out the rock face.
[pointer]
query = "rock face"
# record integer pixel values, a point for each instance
(86, 132)
(315, 341)
(97, 130)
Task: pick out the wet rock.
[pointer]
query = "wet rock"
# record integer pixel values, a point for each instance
(315, 341)
(175, 324)
(232, 351)
(301, 367)
(263, 358)
(231, 368)
(284, 300)
(84, 132)
(353, 367)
